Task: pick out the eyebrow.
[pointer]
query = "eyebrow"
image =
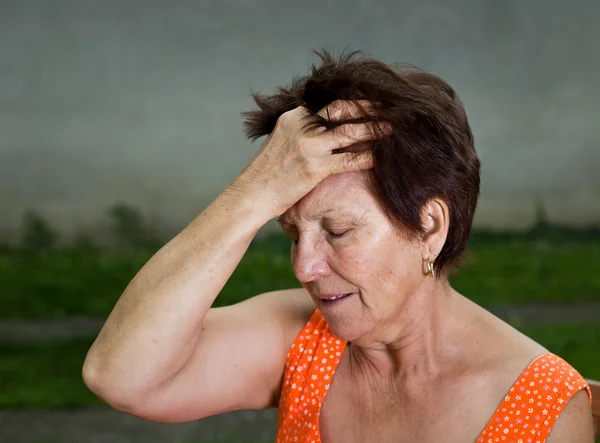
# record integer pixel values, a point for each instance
(283, 220)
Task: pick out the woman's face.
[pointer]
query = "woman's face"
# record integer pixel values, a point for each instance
(345, 244)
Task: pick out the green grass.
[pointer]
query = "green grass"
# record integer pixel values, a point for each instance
(525, 272)
(60, 283)
(44, 375)
(48, 375)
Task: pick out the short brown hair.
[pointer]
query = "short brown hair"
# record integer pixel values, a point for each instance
(429, 154)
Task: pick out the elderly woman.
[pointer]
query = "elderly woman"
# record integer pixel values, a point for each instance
(374, 176)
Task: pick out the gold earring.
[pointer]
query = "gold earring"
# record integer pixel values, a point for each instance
(430, 268)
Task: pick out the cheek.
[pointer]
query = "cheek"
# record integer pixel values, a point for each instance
(380, 259)
(371, 255)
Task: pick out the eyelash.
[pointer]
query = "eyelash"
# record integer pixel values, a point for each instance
(331, 234)
(337, 235)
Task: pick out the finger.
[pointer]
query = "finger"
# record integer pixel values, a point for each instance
(346, 109)
(348, 134)
(351, 161)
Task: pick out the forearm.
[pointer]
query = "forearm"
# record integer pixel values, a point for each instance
(151, 332)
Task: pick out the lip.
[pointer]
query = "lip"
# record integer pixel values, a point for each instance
(337, 294)
(325, 302)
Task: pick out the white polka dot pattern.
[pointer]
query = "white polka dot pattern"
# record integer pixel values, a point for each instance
(310, 366)
(533, 404)
(526, 415)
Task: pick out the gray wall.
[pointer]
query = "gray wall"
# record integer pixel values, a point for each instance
(140, 101)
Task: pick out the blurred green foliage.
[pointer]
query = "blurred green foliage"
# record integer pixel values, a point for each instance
(130, 229)
(42, 279)
(82, 280)
(33, 376)
(36, 233)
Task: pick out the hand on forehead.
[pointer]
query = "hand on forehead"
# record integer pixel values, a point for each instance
(339, 192)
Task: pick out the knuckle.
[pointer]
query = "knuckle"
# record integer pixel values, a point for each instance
(311, 167)
(301, 147)
(285, 118)
(333, 111)
(348, 161)
(291, 117)
(337, 107)
(341, 130)
(340, 165)
(347, 132)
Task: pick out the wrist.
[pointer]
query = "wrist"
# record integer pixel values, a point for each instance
(256, 189)
(251, 201)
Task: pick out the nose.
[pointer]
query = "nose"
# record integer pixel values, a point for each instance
(309, 261)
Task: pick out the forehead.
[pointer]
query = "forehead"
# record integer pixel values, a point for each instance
(338, 192)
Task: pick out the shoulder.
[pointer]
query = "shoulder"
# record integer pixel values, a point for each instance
(574, 423)
(560, 396)
(293, 308)
(287, 304)
(549, 402)
(503, 350)
(280, 314)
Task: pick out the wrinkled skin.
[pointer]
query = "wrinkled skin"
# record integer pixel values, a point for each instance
(344, 242)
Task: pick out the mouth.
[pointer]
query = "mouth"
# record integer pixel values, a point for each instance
(328, 299)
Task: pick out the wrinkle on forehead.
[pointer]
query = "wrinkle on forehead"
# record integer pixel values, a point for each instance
(338, 192)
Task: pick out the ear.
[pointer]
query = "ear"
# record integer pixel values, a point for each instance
(435, 219)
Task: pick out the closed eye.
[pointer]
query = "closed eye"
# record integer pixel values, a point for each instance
(334, 235)
(337, 234)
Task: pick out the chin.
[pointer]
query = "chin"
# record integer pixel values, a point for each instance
(345, 331)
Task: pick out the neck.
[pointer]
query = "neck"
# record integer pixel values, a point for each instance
(419, 342)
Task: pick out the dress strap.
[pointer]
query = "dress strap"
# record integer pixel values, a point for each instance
(310, 365)
(534, 402)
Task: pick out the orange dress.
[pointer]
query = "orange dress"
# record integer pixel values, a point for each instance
(526, 415)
